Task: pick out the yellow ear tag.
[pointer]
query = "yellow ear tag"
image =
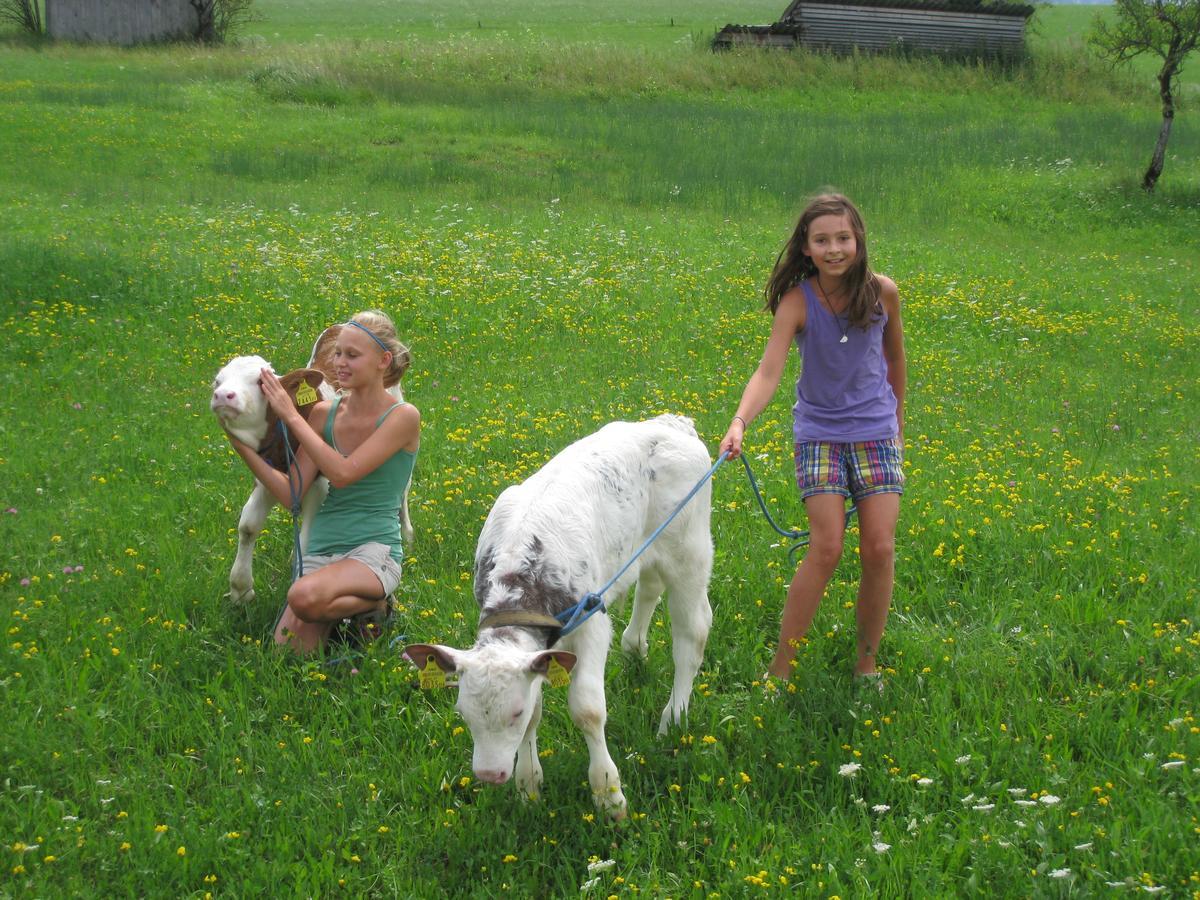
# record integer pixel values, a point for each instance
(559, 677)
(306, 394)
(432, 675)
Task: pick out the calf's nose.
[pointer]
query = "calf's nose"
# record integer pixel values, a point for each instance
(492, 776)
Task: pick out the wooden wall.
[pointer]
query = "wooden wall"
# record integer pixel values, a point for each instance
(120, 21)
(843, 27)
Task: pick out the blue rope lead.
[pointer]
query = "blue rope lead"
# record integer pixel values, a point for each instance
(801, 538)
(593, 602)
(296, 491)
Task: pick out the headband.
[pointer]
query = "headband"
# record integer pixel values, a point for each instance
(382, 346)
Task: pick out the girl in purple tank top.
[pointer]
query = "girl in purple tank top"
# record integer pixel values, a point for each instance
(848, 419)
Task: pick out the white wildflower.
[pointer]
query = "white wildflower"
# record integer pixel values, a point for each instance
(967, 799)
(600, 865)
(1154, 888)
(1025, 802)
(881, 847)
(1060, 873)
(1173, 764)
(849, 770)
(1018, 792)
(589, 884)
(1087, 846)
(1048, 799)
(924, 782)
(880, 808)
(984, 807)
(963, 760)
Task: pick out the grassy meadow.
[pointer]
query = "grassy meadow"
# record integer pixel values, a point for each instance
(570, 212)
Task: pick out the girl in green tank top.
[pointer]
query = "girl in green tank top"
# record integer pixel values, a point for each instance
(365, 443)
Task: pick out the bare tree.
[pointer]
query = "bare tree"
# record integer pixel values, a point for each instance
(1167, 28)
(217, 19)
(26, 14)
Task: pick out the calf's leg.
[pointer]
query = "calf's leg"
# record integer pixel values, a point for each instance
(691, 618)
(588, 712)
(645, 601)
(250, 525)
(528, 770)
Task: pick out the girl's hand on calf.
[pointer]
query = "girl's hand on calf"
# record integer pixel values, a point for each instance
(277, 396)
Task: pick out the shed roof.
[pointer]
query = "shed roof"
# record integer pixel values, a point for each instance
(792, 13)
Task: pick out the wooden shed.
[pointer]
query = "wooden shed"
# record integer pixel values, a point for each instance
(951, 27)
(123, 22)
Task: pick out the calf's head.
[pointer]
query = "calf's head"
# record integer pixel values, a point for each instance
(498, 693)
(238, 400)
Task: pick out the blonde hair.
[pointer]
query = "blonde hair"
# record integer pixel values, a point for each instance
(381, 327)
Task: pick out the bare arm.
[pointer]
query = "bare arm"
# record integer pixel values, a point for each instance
(893, 348)
(272, 479)
(400, 431)
(789, 320)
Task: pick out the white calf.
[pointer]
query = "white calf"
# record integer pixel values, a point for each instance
(238, 401)
(549, 541)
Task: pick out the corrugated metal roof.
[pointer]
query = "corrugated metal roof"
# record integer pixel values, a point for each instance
(792, 13)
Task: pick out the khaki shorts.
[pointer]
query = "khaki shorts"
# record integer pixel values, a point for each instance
(376, 557)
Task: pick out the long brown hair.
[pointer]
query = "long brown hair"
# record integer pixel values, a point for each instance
(793, 265)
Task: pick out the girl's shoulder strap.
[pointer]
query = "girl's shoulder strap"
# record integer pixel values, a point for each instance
(333, 408)
(387, 412)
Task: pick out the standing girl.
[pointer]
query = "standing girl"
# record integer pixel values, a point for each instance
(848, 417)
(365, 443)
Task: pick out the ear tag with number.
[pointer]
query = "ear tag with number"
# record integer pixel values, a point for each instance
(306, 394)
(432, 676)
(559, 677)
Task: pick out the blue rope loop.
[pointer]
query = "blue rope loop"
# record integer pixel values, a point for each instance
(801, 538)
(593, 602)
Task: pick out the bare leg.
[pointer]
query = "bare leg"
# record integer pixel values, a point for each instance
(319, 600)
(877, 516)
(827, 526)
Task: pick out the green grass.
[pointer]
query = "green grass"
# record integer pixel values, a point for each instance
(571, 224)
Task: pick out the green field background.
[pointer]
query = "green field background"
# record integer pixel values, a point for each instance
(570, 211)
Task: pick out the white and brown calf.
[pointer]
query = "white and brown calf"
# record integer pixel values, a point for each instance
(549, 541)
(238, 401)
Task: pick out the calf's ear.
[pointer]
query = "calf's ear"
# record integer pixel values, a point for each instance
(420, 654)
(541, 662)
(302, 385)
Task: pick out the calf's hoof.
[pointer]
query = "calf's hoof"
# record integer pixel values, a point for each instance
(610, 802)
(531, 790)
(633, 644)
(241, 596)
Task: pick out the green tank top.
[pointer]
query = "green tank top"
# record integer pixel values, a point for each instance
(367, 511)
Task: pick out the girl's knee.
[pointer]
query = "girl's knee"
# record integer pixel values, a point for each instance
(824, 552)
(876, 552)
(305, 601)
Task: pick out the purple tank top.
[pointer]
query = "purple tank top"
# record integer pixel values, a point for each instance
(843, 394)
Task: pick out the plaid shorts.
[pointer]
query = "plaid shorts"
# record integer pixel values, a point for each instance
(854, 470)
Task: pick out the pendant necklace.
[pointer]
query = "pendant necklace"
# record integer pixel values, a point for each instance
(844, 327)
